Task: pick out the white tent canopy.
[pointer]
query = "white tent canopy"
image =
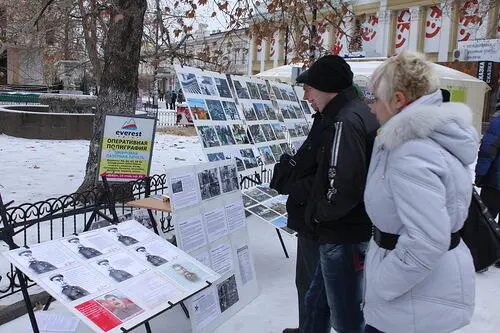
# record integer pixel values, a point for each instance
(464, 87)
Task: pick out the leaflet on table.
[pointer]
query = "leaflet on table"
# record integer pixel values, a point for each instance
(135, 274)
(268, 205)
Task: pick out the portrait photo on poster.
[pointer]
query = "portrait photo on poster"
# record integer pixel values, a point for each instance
(43, 258)
(119, 266)
(119, 305)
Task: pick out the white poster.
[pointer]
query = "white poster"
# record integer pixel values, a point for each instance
(184, 191)
(221, 257)
(191, 233)
(43, 258)
(433, 19)
(91, 244)
(274, 46)
(402, 33)
(127, 234)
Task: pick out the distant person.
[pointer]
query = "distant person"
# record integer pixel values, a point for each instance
(71, 292)
(173, 99)
(38, 266)
(160, 95)
(488, 167)
(180, 96)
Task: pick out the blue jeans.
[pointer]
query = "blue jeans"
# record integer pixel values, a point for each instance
(339, 276)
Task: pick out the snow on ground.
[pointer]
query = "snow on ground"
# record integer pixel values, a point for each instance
(38, 169)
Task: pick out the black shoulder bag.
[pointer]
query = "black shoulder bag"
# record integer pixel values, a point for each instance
(283, 174)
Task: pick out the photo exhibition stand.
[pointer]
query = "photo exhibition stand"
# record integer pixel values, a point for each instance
(104, 201)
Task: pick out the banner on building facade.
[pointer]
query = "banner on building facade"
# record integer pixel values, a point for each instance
(433, 19)
(402, 33)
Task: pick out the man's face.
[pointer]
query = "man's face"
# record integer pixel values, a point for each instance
(116, 302)
(318, 99)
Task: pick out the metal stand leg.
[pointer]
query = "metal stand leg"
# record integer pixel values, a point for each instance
(148, 327)
(153, 221)
(49, 300)
(186, 312)
(282, 244)
(27, 301)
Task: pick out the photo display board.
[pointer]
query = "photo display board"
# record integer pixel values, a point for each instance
(268, 205)
(126, 147)
(291, 110)
(265, 122)
(217, 117)
(210, 225)
(305, 105)
(114, 277)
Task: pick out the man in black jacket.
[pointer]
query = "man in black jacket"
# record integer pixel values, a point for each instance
(334, 207)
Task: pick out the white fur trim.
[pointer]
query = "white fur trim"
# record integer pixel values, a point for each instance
(422, 120)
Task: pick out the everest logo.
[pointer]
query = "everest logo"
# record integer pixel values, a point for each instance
(130, 125)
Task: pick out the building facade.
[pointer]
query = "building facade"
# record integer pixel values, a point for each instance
(386, 27)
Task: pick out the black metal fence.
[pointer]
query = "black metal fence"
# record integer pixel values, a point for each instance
(54, 218)
(59, 217)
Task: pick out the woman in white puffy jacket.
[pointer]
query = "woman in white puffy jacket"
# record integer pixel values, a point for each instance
(419, 274)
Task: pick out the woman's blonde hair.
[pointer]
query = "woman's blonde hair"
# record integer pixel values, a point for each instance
(408, 72)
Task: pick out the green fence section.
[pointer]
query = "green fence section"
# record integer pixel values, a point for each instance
(19, 97)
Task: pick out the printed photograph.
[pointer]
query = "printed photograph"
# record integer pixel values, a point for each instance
(298, 111)
(267, 155)
(268, 190)
(215, 109)
(271, 114)
(305, 106)
(253, 90)
(189, 83)
(34, 264)
(285, 111)
(297, 144)
(198, 108)
(186, 274)
(208, 136)
(260, 111)
(247, 201)
(207, 85)
(281, 222)
(152, 259)
(209, 183)
(257, 195)
(229, 178)
(278, 131)
(264, 212)
(276, 152)
(286, 148)
(225, 136)
(298, 129)
(278, 207)
(292, 112)
(263, 91)
(212, 157)
(230, 110)
(291, 95)
(268, 132)
(284, 94)
(223, 87)
(234, 153)
(241, 90)
(228, 293)
(292, 132)
(277, 92)
(256, 133)
(71, 291)
(280, 116)
(248, 157)
(177, 186)
(240, 134)
(119, 305)
(86, 250)
(116, 273)
(305, 128)
(248, 111)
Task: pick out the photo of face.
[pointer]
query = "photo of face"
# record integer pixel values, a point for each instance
(119, 305)
(35, 265)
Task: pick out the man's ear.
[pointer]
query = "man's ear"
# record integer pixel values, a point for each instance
(400, 100)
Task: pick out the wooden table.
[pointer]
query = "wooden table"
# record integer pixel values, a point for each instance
(151, 204)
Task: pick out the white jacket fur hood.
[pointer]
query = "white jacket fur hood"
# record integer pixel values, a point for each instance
(419, 187)
(449, 124)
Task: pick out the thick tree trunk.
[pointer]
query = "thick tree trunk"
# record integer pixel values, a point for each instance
(120, 74)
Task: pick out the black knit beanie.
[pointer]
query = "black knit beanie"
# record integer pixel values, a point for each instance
(330, 73)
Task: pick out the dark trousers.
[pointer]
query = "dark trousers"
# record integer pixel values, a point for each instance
(371, 329)
(491, 198)
(307, 260)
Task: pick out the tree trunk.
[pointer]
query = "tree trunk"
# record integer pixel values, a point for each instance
(120, 74)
